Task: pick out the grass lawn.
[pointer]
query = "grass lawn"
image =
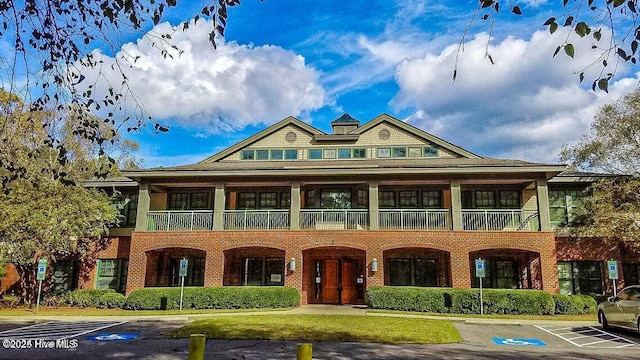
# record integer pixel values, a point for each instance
(340, 328)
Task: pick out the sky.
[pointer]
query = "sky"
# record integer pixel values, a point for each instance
(316, 60)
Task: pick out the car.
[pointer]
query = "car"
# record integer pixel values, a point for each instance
(622, 310)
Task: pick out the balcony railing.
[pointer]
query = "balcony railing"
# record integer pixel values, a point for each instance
(180, 220)
(414, 219)
(256, 219)
(500, 220)
(334, 219)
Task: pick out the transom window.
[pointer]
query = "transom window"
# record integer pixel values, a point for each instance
(269, 154)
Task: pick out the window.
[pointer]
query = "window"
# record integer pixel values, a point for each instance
(415, 152)
(64, 276)
(247, 155)
(432, 199)
(485, 199)
(285, 200)
(291, 154)
(268, 200)
(384, 153)
(335, 199)
(562, 204)
(363, 199)
(399, 152)
(430, 151)
(329, 153)
(387, 199)
(112, 274)
(509, 199)
(246, 200)
(631, 274)
(408, 199)
(310, 199)
(506, 275)
(359, 153)
(260, 271)
(580, 277)
(178, 201)
(277, 154)
(412, 272)
(130, 210)
(344, 153)
(262, 154)
(315, 154)
(199, 201)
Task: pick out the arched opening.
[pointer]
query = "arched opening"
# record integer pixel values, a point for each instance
(508, 269)
(334, 275)
(417, 267)
(163, 267)
(254, 266)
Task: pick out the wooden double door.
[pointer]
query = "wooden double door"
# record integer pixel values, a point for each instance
(337, 281)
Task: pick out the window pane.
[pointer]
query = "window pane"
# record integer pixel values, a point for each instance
(252, 272)
(268, 200)
(246, 200)
(630, 274)
(344, 153)
(505, 275)
(335, 199)
(262, 154)
(276, 154)
(400, 272)
(485, 199)
(62, 278)
(509, 199)
(387, 199)
(285, 200)
(247, 155)
(291, 154)
(274, 271)
(430, 151)
(399, 152)
(426, 273)
(408, 199)
(359, 153)
(432, 199)
(107, 274)
(415, 152)
(329, 154)
(363, 199)
(315, 154)
(384, 153)
(588, 277)
(199, 201)
(178, 201)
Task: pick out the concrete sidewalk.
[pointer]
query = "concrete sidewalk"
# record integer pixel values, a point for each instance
(352, 310)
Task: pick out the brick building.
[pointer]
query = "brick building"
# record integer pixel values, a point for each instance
(381, 203)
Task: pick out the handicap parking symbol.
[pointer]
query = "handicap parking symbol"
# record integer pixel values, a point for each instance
(518, 342)
(112, 337)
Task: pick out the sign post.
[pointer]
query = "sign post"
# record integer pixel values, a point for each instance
(480, 273)
(40, 275)
(612, 266)
(184, 263)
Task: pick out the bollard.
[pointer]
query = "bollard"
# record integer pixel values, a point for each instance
(196, 347)
(304, 351)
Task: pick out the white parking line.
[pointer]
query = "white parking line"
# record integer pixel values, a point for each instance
(599, 336)
(57, 330)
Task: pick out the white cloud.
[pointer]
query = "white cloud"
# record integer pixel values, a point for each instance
(525, 106)
(212, 90)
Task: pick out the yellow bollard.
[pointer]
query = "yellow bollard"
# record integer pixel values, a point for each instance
(196, 347)
(304, 351)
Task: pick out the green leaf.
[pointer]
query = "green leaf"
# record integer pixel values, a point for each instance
(622, 54)
(569, 50)
(582, 29)
(549, 21)
(553, 27)
(597, 35)
(617, 3)
(603, 84)
(557, 51)
(516, 10)
(486, 3)
(568, 21)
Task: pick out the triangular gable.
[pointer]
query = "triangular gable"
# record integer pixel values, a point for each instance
(261, 135)
(385, 118)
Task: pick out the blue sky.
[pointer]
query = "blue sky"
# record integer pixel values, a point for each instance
(317, 60)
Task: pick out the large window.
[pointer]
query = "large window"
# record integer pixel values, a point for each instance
(129, 211)
(264, 200)
(262, 271)
(412, 272)
(490, 199)
(65, 276)
(410, 199)
(335, 199)
(387, 199)
(112, 274)
(499, 274)
(188, 201)
(580, 277)
(631, 274)
(562, 204)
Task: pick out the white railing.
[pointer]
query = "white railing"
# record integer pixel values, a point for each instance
(499, 220)
(256, 219)
(179, 220)
(414, 219)
(334, 219)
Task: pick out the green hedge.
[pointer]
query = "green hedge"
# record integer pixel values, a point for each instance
(574, 304)
(95, 298)
(227, 297)
(460, 301)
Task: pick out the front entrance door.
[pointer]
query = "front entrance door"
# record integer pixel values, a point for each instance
(334, 282)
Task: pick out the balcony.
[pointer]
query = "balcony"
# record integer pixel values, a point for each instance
(414, 219)
(180, 220)
(334, 219)
(256, 219)
(500, 220)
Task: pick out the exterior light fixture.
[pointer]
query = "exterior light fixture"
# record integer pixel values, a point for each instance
(292, 264)
(374, 265)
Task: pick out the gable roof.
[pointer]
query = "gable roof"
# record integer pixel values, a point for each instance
(392, 121)
(290, 120)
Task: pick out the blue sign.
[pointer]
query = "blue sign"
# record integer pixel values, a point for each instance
(518, 342)
(112, 337)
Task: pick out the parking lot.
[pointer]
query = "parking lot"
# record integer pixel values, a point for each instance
(592, 337)
(55, 330)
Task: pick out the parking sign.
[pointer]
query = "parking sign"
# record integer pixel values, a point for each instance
(612, 265)
(42, 269)
(183, 267)
(480, 268)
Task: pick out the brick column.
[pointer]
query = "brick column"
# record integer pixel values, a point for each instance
(214, 267)
(375, 278)
(460, 270)
(137, 269)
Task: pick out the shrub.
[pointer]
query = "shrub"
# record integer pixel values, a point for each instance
(226, 297)
(460, 301)
(98, 298)
(574, 304)
(9, 301)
